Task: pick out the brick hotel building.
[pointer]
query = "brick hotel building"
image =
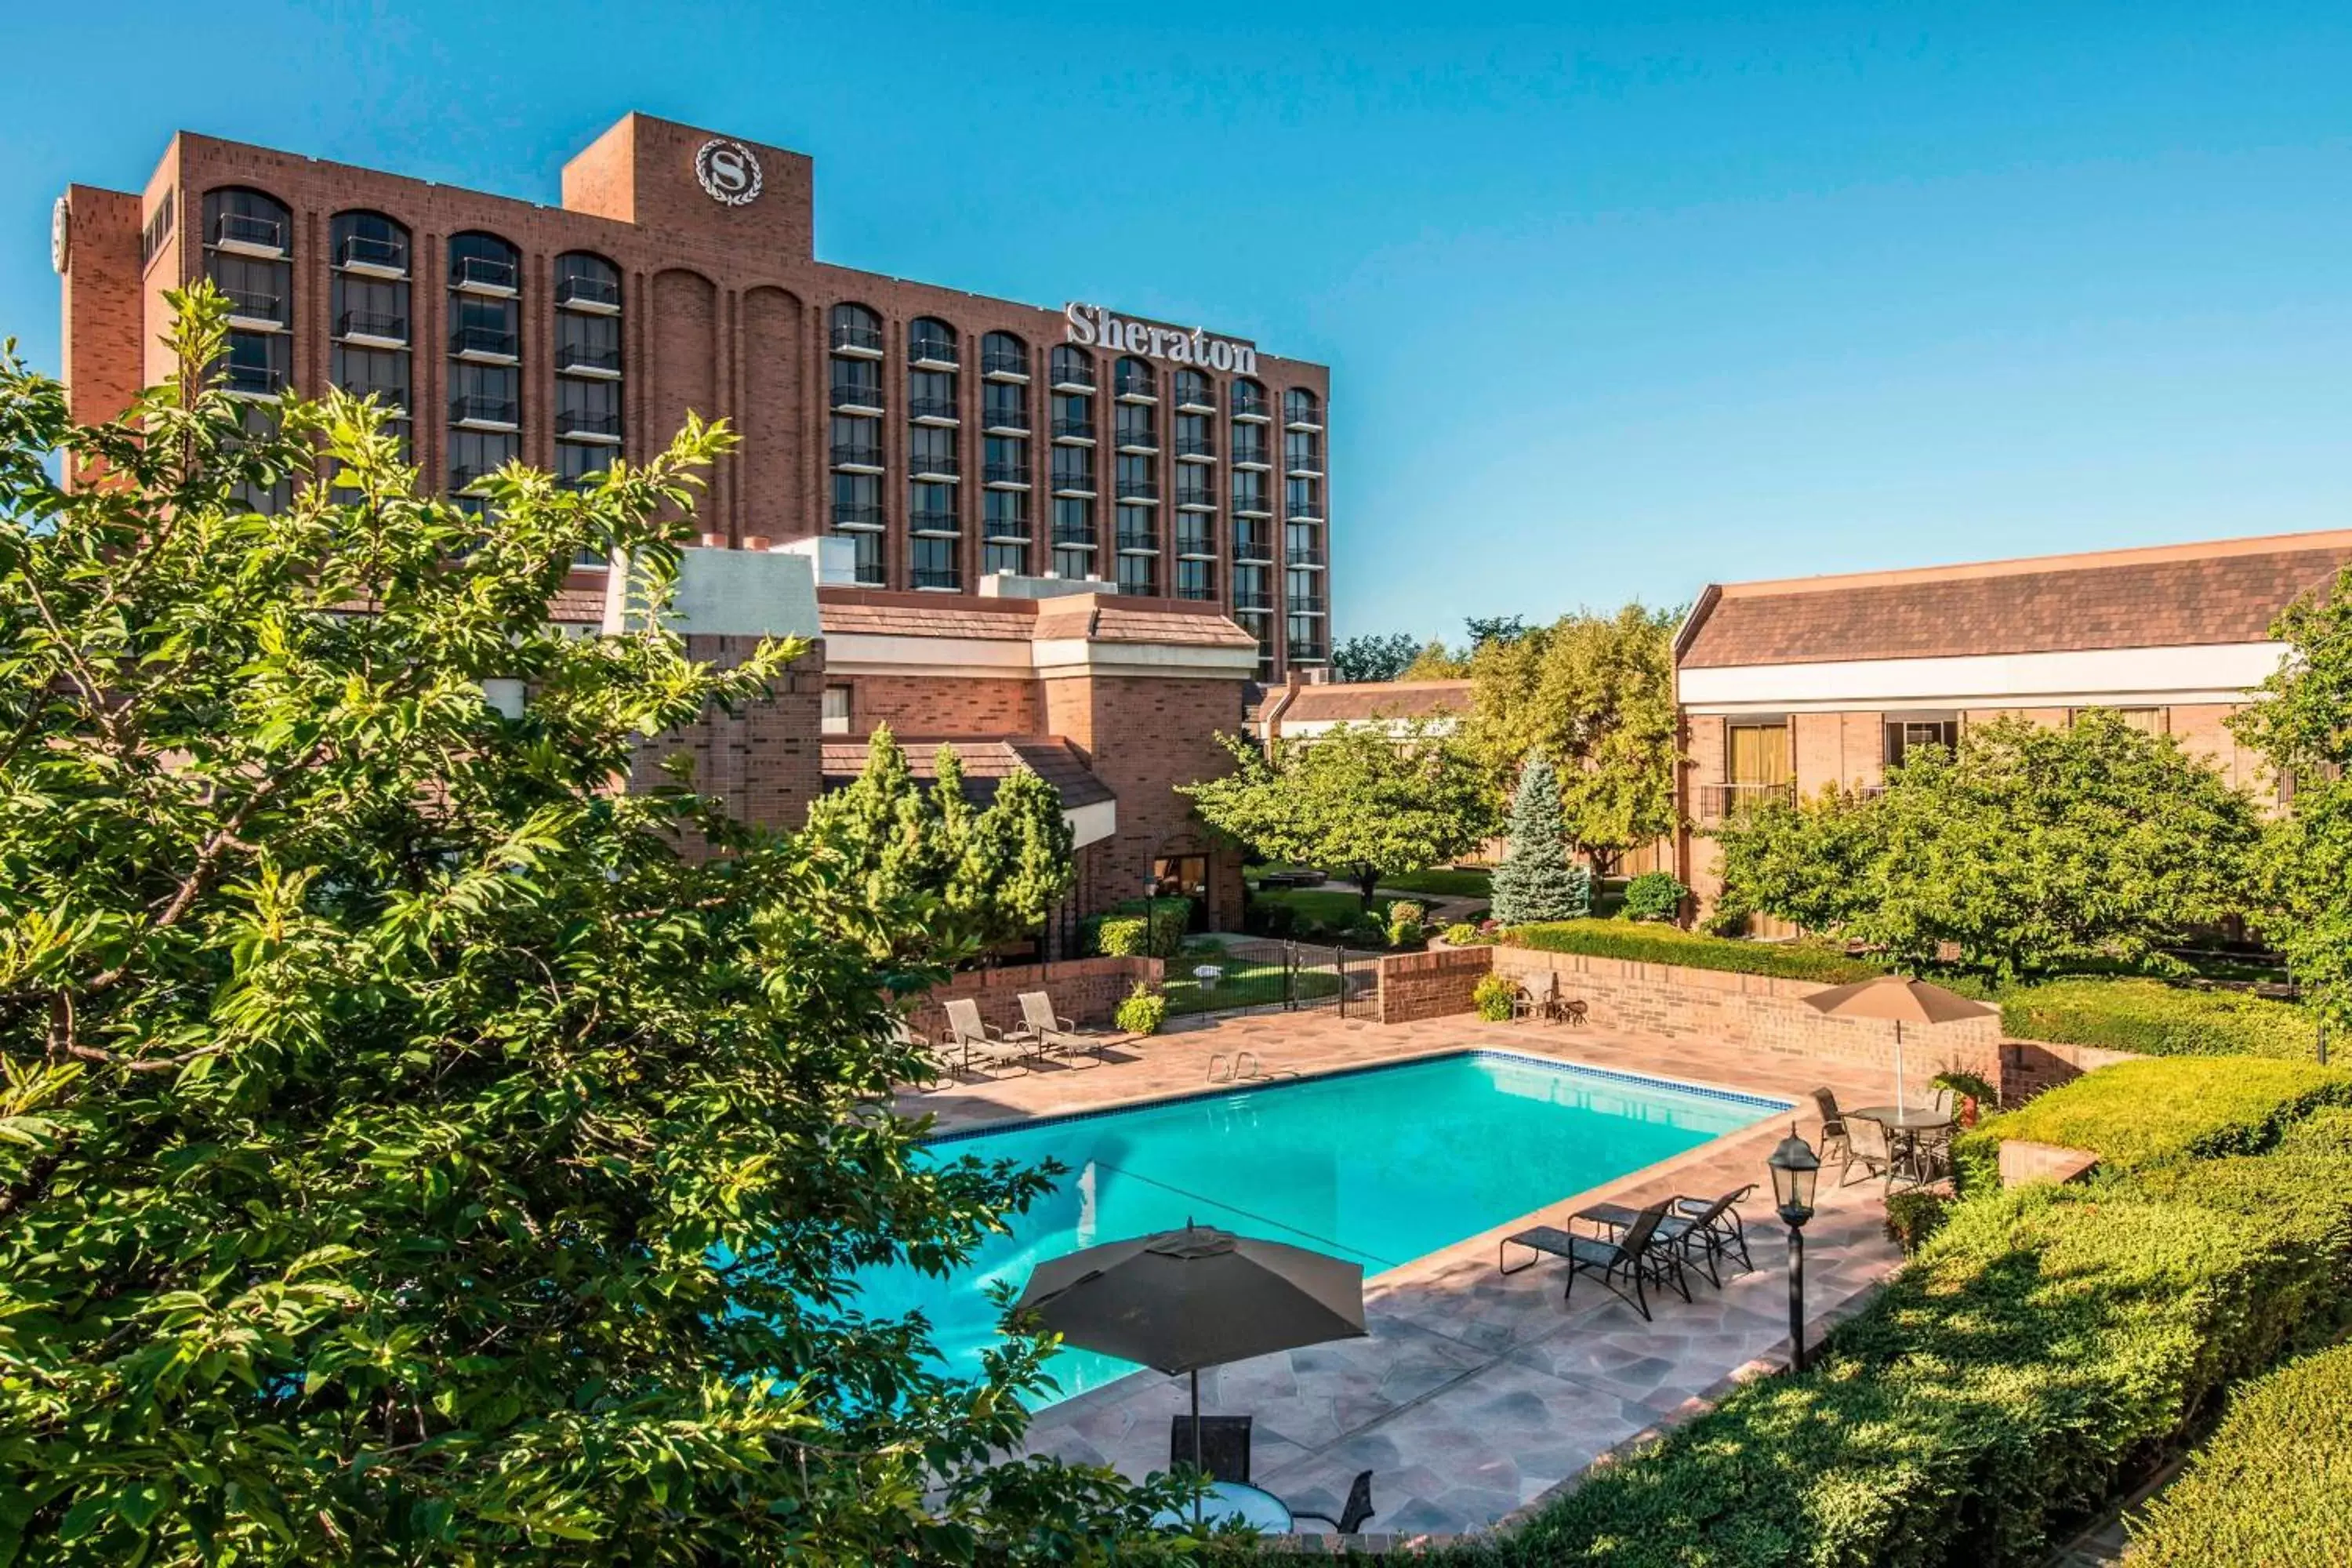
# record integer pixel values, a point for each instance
(1054, 534)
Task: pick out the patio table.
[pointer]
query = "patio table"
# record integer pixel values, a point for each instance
(1261, 1510)
(1904, 1124)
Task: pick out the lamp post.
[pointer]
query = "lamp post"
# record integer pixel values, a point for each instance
(1794, 1167)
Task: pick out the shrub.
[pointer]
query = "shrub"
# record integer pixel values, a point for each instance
(1654, 896)
(1366, 933)
(1121, 936)
(2325, 1131)
(1405, 921)
(1664, 944)
(2040, 1347)
(1494, 996)
(2157, 1019)
(1465, 934)
(2141, 1114)
(2271, 1485)
(2303, 1201)
(1143, 1010)
(1915, 1215)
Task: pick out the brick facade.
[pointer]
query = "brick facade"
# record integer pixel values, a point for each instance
(1432, 984)
(1086, 991)
(725, 313)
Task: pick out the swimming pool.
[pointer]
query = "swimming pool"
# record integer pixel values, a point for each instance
(1377, 1164)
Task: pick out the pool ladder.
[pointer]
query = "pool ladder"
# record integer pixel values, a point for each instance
(1243, 1067)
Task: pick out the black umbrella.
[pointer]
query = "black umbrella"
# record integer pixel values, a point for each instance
(1183, 1299)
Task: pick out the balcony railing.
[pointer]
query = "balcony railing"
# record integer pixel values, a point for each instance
(921, 463)
(856, 396)
(484, 342)
(1303, 419)
(590, 358)
(932, 521)
(1303, 556)
(1138, 490)
(1305, 465)
(484, 274)
(1197, 496)
(931, 350)
(1250, 599)
(1252, 506)
(1195, 446)
(589, 293)
(1301, 604)
(464, 475)
(937, 408)
(1075, 382)
(1248, 405)
(1074, 538)
(1253, 547)
(369, 253)
(1137, 384)
(1247, 457)
(1195, 544)
(856, 455)
(1001, 419)
(1007, 473)
(1074, 484)
(1139, 541)
(1006, 532)
(587, 422)
(1004, 362)
(935, 577)
(238, 231)
(857, 516)
(855, 338)
(476, 410)
(1196, 591)
(377, 325)
(1074, 429)
(252, 380)
(1722, 802)
(1308, 653)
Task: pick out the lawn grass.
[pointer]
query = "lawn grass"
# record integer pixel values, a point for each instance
(1245, 983)
(1442, 884)
(1324, 907)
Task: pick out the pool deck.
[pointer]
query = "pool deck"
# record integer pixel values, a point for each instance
(1473, 1395)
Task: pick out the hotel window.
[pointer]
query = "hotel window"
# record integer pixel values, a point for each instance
(588, 422)
(1253, 605)
(1138, 477)
(833, 720)
(933, 467)
(1249, 493)
(854, 449)
(1757, 766)
(1920, 730)
(484, 353)
(1004, 357)
(1004, 408)
(1196, 580)
(248, 240)
(1074, 537)
(369, 306)
(1139, 575)
(1138, 529)
(934, 564)
(1005, 460)
(1073, 468)
(931, 343)
(2147, 721)
(1135, 429)
(1004, 531)
(1133, 378)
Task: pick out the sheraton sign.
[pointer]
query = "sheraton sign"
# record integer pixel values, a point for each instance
(1095, 327)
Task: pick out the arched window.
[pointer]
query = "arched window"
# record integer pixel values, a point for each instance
(1250, 594)
(1074, 369)
(1134, 379)
(930, 342)
(857, 329)
(1249, 400)
(484, 353)
(1301, 407)
(1005, 511)
(586, 281)
(248, 246)
(373, 324)
(1192, 390)
(1002, 353)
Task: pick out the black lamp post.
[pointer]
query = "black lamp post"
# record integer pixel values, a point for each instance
(1794, 1167)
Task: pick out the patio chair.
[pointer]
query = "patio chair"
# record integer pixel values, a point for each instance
(1054, 1034)
(978, 1041)
(1867, 1146)
(1835, 1144)
(1526, 1004)
(1224, 1446)
(1638, 1255)
(1352, 1513)
(1693, 1226)
(943, 1064)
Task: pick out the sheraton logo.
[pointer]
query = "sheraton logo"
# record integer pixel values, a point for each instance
(729, 172)
(1093, 326)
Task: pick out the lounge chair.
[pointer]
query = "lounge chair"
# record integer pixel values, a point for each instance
(1835, 1144)
(1054, 1034)
(1696, 1227)
(969, 1034)
(943, 1064)
(1352, 1514)
(1638, 1255)
(1224, 1446)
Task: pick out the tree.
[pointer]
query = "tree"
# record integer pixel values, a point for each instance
(409, 1152)
(2032, 848)
(1370, 800)
(1595, 697)
(2303, 724)
(1485, 630)
(1535, 880)
(1373, 658)
(1436, 661)
(972, 879)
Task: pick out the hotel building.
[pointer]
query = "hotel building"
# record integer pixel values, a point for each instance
(1789, 687)
(1060, 538)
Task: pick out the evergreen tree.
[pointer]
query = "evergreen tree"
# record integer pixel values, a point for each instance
(1535, 881)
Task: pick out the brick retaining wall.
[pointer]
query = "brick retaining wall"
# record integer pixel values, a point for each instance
(1415, 986)
(2029, 1067)
(1086, 991)
(1752, 1012)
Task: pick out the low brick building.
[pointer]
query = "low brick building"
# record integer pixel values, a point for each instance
(1303, 710)
(1788, 687)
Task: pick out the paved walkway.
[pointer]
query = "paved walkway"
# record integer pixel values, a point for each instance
(1475, 1395)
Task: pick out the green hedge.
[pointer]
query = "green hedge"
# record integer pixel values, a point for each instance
(2274, 1484)
(2041, 1346)
(2159, 1020)
(2325, 1131)
(1650, 943)
(2141, 1114)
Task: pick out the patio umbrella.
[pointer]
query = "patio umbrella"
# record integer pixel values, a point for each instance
(1903, 1000)
(1182, 1300)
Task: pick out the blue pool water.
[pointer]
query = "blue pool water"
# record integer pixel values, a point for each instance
(1380, 1166)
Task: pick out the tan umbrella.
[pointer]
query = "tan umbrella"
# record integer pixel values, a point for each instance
(1904, 1000)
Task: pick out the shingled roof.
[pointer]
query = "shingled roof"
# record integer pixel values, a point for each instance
(2173, 596)
(1353, 701)
(987, 761)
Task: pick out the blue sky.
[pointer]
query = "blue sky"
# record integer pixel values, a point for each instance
(1618, 299)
